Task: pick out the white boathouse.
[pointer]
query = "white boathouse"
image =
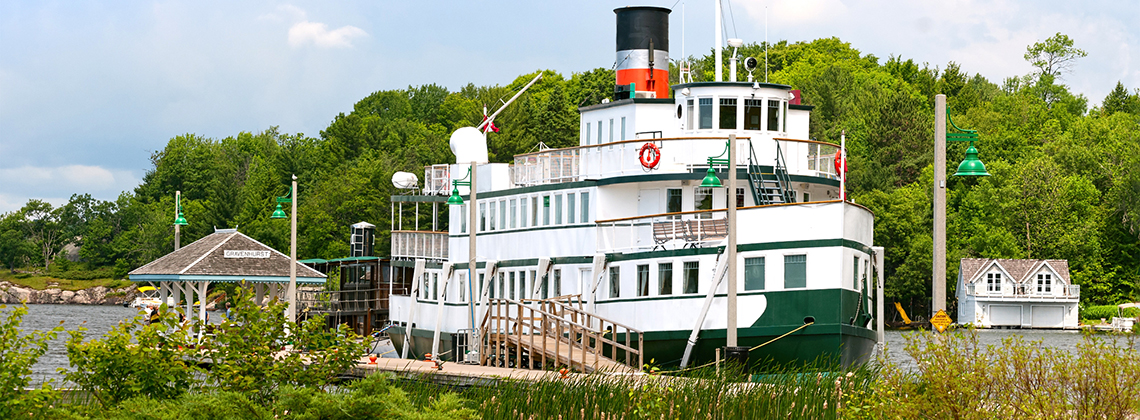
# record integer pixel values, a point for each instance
(1007, 293)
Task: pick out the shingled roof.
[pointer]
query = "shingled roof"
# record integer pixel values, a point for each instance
(1020, 271)
(206, 260)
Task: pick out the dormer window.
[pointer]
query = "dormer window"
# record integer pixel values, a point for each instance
(993, 282)
(1044, 283)
(727, 113)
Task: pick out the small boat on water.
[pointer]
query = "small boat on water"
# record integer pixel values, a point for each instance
(148, 297)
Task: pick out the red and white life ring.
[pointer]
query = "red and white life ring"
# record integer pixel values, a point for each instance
(840, 162)
(649, 155)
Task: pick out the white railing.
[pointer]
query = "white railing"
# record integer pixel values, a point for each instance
(1023, 291)
(437, 180)
(547, 167)
(419, 244)
(809, 158)
(690, 229)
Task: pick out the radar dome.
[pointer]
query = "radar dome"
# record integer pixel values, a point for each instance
(405, 180)
(469, 145)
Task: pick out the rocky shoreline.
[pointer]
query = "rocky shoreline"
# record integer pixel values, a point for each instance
(99, 295)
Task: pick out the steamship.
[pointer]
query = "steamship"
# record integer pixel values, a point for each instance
(612, 253)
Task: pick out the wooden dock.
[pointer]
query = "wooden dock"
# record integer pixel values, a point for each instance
(452, 374)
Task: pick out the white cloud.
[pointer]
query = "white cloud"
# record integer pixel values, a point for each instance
(48, 183)
(318, 34)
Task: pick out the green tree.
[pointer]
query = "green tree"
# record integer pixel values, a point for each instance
(18, 352)
(1054, 56)
(1119, 100)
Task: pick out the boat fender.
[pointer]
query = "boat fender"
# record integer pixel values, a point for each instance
(649, 155)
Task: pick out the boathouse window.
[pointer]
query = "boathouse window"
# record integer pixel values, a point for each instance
(706, 112)
(585, 206)
(689, 118)
(514, 215)
(753, 110)
(754, 273)
(482, 217)
(993, 282)
(795, 271)
(773, 115)
(643, 280)
(570, 209)
(673, 200)
(727, 113)
(665, 278)
(623, 128)
(587, 134)
(1044, 283)
(557, 274)
(558, 209)
(522, 212)
(492, 215)
(702, 200)
(692, 274)
(546, 210)
(615, 282)
(463, 219)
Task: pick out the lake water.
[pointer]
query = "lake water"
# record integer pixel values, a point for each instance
(100, 319)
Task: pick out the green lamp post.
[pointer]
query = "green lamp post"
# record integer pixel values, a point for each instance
(970, 166)
(179, 220)
(291, 198)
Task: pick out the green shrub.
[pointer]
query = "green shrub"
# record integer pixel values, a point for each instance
(1098, 312)
(18, 352)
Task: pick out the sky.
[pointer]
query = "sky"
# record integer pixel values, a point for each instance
(89, 90)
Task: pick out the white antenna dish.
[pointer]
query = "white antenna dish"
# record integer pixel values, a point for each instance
(469, 145)
(735, 42)
(405, 180)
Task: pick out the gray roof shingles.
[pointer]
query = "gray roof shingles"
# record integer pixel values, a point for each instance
(206, 256)
(1020, 270)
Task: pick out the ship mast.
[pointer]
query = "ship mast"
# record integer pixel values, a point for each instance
(719, 41)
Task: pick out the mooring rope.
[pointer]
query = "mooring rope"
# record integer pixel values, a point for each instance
(754, 348)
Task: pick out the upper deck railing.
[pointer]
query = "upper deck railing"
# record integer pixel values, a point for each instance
(1022, 291)
(413, 244)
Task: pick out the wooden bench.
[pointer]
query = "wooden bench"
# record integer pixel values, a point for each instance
(703, 230)
(669, 230)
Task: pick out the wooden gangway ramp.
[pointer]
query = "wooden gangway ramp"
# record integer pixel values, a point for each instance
(549, 334)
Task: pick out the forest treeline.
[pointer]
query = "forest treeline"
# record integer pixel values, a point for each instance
(1065, 178)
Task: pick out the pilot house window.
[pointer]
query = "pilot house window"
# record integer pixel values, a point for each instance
(706, 112)
(753, 108)
(773, 115)
(728, 113)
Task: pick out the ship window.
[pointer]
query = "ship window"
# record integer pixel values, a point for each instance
(702, 200)
(534, 211)
(753, 108)
(611, 130)
(706, 112)
(557, 282)
(533, 276)
(463, 219)
(807, 197)
(1044, 283)
(623, 128)
(754, 273)
(587, 134)
(993, 282)
(673, 200)
(462, 287)
(740, 197)
(514, 207)
(585, 206)
(728, 113)
(558, 209)
(855, 274)
(503, 285)
(425, 288)
(479, 286)
(689, 119)
(773, 115)
(522, 285)
(522, 212)
(502, 215)
(599, 132)
(692, 276)
(570, 208)
(482, 217)
(643, 280)
(492, 222)
(615, 282)
(665, 278)
(546, 210)
(795, 271)
(783, 115)
(434, 286)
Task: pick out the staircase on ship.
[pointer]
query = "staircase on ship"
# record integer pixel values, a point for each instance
(769, 187)
(549, 334)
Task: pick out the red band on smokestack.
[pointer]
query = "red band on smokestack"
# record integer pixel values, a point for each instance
(643, 49)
